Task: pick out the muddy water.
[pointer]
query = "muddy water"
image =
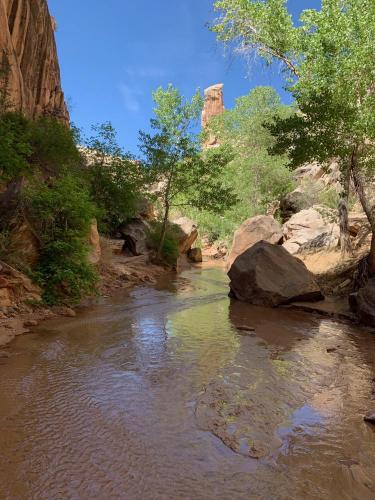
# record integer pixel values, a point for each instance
(156, 395)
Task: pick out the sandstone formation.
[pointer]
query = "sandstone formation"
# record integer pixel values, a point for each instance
(187, 233)
(312, 181)
(94, 242)
(311, 230)
(261, 227)
(28, 54)
(15, 287)
(267, 275)
(213, 106)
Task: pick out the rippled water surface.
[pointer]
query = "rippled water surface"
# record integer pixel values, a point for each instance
(156, 395)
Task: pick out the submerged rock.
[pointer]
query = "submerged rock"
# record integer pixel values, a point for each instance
(261, 227)
(267, 275)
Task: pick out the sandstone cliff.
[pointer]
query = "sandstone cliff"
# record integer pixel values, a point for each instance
(27, 42)
(213, 106)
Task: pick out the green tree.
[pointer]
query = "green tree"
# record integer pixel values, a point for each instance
(174, 167)
(328, 61)
(114, 177)
(257, 177)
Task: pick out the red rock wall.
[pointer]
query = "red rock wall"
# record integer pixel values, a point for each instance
(27, 40)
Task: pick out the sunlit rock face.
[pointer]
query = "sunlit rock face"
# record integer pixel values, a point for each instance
(27, 43)
(213, 106)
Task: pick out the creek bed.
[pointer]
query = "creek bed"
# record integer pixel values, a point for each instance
(155, 394)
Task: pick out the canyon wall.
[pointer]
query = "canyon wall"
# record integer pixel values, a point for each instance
(28, 50)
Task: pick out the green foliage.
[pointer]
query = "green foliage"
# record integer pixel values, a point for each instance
(54, 148)
(28, 146)
(173, 160)
(15, 146)
(61, 213)
(256, 177)
(263, 27)
(169, 251)
(329, 57)
(114, 178)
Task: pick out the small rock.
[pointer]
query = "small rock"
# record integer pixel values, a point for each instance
(4, 354)
(245, 328)
(30, 322)
(370, 417)
(331, 349)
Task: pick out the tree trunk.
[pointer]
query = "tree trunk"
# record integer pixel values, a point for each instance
(345, 243)
(163, 231)
(367, 208)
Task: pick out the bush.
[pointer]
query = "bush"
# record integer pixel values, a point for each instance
(170, 251)
(54, 148)
(15, 146)
(61, 213)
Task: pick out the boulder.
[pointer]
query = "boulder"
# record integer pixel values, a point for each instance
(94, 242)
(136, 231)
(195, 255)
(187, 233)
(267, 275)
(293, 203)
(311, 229)
(362, 303)
(261, 227)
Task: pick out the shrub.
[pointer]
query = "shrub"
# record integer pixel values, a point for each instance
(54, 148)
(170, 251)
(15, 146)
(61, 213)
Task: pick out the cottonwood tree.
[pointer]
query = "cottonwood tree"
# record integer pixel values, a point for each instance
(328, 61)
(257, 177)
(174, 166)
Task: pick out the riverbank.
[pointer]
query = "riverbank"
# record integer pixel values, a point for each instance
(117, 272)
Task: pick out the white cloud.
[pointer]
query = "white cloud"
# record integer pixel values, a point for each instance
(130, 97)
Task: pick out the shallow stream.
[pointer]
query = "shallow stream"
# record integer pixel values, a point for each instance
(155, 394)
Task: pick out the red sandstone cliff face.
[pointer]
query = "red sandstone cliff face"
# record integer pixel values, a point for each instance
(27, 42)
(213, 105)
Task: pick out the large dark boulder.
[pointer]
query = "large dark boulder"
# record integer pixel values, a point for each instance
(363, 303)
(267, 275)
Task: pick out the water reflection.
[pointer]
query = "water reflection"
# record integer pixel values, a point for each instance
(156, 394)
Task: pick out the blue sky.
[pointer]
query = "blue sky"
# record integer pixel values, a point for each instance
(114, 53)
